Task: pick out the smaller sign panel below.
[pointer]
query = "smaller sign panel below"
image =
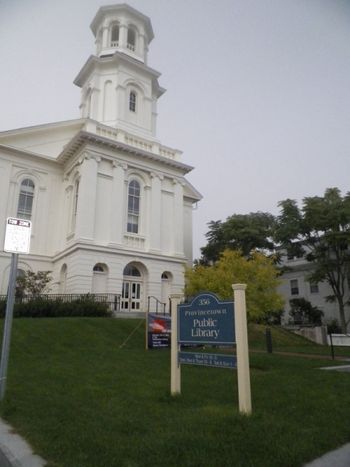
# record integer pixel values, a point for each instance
(208, 359)
(158, 341)
(17, 236)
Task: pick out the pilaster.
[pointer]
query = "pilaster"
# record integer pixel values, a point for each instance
(155, 220)
(86, 207)
(118, 201)
(178, 218)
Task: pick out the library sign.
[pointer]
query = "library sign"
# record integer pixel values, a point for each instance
(206, 320)
(209, 321)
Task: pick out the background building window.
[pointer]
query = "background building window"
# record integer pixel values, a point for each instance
(314, 288)
(294, 287)
(132, 101)
(25, 200)
(133, 207)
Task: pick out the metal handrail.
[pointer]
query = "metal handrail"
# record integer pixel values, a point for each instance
(157, 302)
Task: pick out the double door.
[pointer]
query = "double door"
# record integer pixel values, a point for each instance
(131, 296)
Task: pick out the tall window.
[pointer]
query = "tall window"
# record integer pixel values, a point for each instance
(133, 207)
(115, 36)
(132, 101)
(131, 39)
(294, 287)
(76, 197)
(25, 200)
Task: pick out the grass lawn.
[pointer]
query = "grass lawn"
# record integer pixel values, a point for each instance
(83, 400)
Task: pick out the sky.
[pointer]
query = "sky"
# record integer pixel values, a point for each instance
(258, 91)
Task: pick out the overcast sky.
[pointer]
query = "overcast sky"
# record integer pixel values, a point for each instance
(258, 91)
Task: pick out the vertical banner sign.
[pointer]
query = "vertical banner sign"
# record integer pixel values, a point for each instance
(159, 331)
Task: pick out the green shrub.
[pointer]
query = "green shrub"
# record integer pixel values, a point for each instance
(43, 308)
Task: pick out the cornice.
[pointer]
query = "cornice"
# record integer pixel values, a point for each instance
(115, 250)
(93, 61)
(84, 137)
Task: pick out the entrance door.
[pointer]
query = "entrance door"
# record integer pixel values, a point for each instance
(131, 296)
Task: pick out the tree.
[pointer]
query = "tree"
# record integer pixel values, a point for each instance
(245, 232)
(258, 272)
(320, 231)
(303, 312)
(33, 283)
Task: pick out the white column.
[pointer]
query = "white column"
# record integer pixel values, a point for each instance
(141, 46)
(155, 220)
(118, 203)
(243, 374)
(178, 218)
(123, 34)
(175, 372)
(105, 37)
(84, 228)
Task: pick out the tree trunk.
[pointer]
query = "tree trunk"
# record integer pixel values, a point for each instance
(342, 315)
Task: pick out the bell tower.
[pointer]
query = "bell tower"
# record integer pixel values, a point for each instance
(118, 88)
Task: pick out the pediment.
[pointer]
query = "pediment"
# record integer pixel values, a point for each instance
(47, 140)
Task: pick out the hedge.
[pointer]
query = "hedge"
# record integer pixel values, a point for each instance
(42, 308)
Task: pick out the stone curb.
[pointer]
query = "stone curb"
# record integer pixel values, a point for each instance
(15, 451)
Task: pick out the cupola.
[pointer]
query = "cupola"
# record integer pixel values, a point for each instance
(118, 88)
(122, 28)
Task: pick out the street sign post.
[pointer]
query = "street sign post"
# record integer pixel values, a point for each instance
(17, 240)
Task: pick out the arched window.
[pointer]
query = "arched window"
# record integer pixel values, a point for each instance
(133, 207)
(131, 41)
(131, 270)
(98, 268)
(25, 200)
(63, 279)
(100, 279)
(115, 35)
(132, 101)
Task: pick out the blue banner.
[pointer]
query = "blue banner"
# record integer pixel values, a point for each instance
(206, 320)
(159, 331)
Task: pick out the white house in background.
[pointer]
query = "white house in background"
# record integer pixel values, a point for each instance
(110, 206)
(295, 285)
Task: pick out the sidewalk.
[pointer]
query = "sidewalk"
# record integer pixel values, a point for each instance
(14, 451)
(337, 458)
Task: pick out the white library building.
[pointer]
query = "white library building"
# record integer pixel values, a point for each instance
(110, 206)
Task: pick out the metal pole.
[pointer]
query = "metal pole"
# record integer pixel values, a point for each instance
(8, 324)
(332, 347)
(268, 340)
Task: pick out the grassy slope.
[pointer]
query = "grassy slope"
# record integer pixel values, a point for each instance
(83, 401)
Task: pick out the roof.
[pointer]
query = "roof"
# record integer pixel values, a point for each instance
(105, 10)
